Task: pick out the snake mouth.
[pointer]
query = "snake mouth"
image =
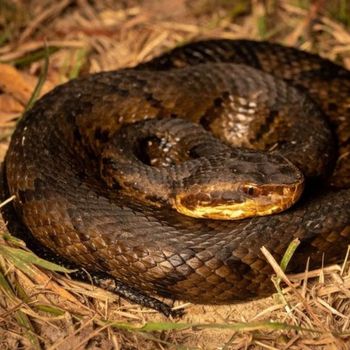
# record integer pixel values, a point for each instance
(232, 205)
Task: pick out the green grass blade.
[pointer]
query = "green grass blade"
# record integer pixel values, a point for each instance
(289, 254)
(4, 36)
(52, 310)
(22, 319)
(32, 57)
(14, 241)
(22, 259)
(80, 61)
(262, 27)
(40, 83)
(239, 327)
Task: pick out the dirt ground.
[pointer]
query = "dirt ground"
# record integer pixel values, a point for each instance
(41, 309)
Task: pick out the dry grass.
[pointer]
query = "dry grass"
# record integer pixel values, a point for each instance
(42, 309)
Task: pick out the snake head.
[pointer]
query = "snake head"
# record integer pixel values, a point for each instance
(246, 184)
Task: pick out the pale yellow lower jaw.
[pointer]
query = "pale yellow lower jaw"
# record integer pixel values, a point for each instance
(244, 210)
(229, 212)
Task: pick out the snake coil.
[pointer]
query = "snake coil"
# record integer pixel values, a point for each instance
(272, 97)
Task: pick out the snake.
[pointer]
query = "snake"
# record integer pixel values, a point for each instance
(170, 176)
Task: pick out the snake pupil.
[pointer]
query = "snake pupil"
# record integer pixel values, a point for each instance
(249, 190)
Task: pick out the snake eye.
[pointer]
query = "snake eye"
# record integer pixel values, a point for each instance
(249, 190)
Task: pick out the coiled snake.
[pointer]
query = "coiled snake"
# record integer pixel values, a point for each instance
(66, 150)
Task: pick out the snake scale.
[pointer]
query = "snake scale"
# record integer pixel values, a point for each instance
(276, 98)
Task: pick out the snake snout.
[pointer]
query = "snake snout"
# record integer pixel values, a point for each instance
(258, 184)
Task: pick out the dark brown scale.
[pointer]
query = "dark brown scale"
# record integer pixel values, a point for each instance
(155, 249)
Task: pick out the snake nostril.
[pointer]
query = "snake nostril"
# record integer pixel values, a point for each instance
(102, 135)
(108, 161)
(193, 152)
(116, 186)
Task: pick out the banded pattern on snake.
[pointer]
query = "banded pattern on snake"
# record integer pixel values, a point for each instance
(249, 94)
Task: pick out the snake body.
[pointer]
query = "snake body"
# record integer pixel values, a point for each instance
(52, 168)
